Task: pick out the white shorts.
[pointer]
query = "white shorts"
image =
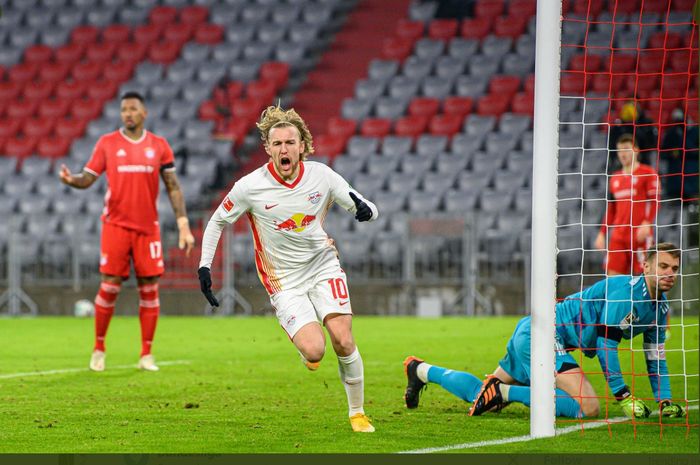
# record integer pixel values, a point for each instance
(298, 307)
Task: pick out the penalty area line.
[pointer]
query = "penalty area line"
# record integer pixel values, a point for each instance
(497, 442)
(78, 370)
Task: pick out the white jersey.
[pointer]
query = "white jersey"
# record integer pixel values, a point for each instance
(286, 219)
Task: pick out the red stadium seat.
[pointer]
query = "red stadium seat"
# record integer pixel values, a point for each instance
(117, 33)
(164, 52)
(573, 83)
(530, 84)
(9, 127)
(375, 127)
(476, 28)
(489, 8)
(37, 127)
(85, 35)
(640, 85)
(424, 106)
(445, 124)
(69, 128)
(328, 145)
(194, 15)
(275, 71)
(590, 9)
(208, 111)
(624, 6)
(22, 73)
(504, 85)
(208, 34)
(455, 105)
(234, 91)
(38, 54)
(650, 61)
(396, 48)
(236, 130)
(163, 15)
(494, 105)
(70, 53)
(411, 125)
(341, 128)
(3, 141)
(523, 8)
(86, 109)
(20, 147)
(655, 6)
(53, 108)
(118, 71)
(9, 91)
(587, 62)
(622, 63)
(261, 89)
(103, 90)
(442, 29)
(675, 85)
(54, 72)
(72, 89)
(38, 90)
(246, 109)
(21, 109)
(411, 30)
(101, 52)
(178, 32)
(133, 52)
(683, 5)
(608, 83)
(147, 34)
(664, 40)
(86, 71)
(510, 26)
(523, 103)
(53, 147)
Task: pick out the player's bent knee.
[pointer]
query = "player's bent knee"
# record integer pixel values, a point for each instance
(590, 407)
(314, 355)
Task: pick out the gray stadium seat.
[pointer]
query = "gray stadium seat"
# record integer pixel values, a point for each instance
(402, 182)
(487, 163)
(362, 146)
(417, 68)
(198, 129)
(180, 73)
(226, 53)
(382, 164)
(271, 33)
(446, 163)
(461, 48)
(430, 145)
(148, 73)
(514, 124)
(194, 53)
(523, 200)
(509, 181)
(54, 36)
(438, 183)
(195, 94)
(402, 87)
(244, 70)
(389, 202)
(389, 249)
(501, 142)
(423, 202)
(39, 18)
(437, 87)
(390, 107)
(257, 52)
(471, 86)
(416, 165)
(496, 47)
(210, 72)
(396, 145)
(348, 167)
(23, 37)
(368, 185)
(132, 15)
(520, 160)
(478, 124)
(457, 201)
(382, 69)
(101, 17)
(467, 144)
(473, 181)
(449, 67)
(164, 90)
(369, 89)
(356, 109)
(483, 66)
(495, 201)
(429, 49)
(35, 166)
(518, 65)
(422, 11)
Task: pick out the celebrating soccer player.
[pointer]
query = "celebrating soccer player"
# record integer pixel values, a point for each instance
(286, 201)
(132, 159)
(631, 211)
(594, 321)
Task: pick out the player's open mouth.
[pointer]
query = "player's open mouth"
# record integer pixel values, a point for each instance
(285, 162)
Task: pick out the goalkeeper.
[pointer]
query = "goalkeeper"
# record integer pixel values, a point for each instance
(595, 320)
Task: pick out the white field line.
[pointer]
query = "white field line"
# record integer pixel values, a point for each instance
(77, 370)
(496, 442)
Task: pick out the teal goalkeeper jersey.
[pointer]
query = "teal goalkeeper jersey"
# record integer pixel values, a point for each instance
(597, 319)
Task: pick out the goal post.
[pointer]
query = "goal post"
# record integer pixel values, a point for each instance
(544, 216)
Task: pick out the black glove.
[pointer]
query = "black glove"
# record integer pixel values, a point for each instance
(364, 213)
(205, 285)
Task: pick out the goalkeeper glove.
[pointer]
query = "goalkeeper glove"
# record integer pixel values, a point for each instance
(205, 285)
(364, 213)
(671, 410)
(631, 406)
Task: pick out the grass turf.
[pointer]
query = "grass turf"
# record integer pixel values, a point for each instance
(244, 390)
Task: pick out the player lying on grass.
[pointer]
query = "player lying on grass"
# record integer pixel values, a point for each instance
(595, 321)
(286, 201)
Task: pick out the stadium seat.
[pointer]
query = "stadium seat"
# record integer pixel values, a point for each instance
(411, 30)
(439, 183)
(504, 85)
(100, 52)
(510, 26)
(382, 69)
(208, 34)
(396, 48)
(424, 106)
(428, 49)
(396, 145)
(21, 109)
(416, 165)
(456, 105)
(9, 127)
(375, 127)
(53, 108)
(381, 165)
(86, 71)
(436, 87)
(389, 107)
(489, 8)
(23, 73)
(38, 54)
(458, 201)
(493, 104)
(19, 147)
(573, 84)
(53, 147)
(36, 128)
(38, 90)
(164, 52)
(69, 128)
(475, 28)
(85, 35)
(9, 90)
(417, 68)
(328, 145)
(523, 103)
(445, 124)
(410, 125)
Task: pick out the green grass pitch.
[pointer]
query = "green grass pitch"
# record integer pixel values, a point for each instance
(241, 389)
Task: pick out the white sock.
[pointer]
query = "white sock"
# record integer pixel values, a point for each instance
(505, 389)
(351, 372)
(422, 371)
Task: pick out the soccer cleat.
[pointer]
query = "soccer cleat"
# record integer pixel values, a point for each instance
(414, 386)
(311, 366)
(148, 363)
(97, 361)
(360, 423)
(489, 398)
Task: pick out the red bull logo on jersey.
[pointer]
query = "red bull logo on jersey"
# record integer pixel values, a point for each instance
(315, 197)
(297, 223)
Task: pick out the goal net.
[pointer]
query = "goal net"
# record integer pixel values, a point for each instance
(630, 67)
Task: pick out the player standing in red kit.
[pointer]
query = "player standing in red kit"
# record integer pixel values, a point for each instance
(133, 159)
(631, 211)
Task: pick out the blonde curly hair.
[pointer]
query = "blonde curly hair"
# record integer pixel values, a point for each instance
(275, 117)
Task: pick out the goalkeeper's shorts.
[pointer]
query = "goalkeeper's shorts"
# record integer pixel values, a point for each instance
(516, 362)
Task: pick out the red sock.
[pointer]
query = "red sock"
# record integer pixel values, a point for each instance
(104, 309)
(149, 307)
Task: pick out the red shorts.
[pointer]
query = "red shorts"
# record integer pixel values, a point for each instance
(625, 258)
(119, 245)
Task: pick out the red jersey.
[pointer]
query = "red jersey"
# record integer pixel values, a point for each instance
(633, 200)
(133, 169)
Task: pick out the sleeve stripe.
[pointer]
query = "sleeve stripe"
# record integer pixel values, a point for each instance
(91, 172)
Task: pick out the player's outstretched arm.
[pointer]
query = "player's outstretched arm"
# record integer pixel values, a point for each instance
(210, 240)
(363, 211)
(81, 180)
(204, 274)
(177, 200)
